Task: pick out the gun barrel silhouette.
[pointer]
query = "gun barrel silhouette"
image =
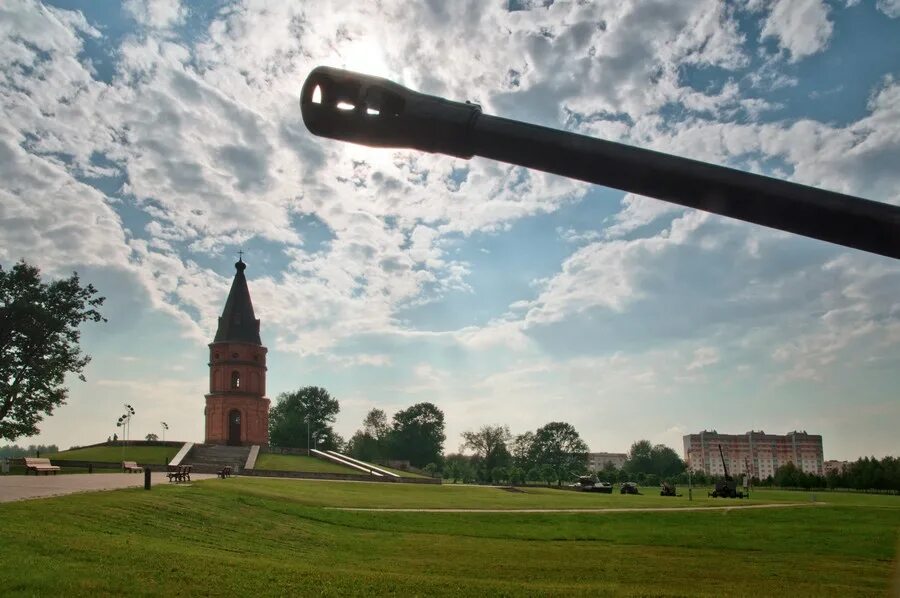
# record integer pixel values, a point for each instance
(377, 112)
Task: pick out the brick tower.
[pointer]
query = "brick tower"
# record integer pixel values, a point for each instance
(237, 410)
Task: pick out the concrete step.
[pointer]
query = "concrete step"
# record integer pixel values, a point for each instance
(210, 458)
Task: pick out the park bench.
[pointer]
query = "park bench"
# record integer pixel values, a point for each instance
(179, 473)
(131, 467)
(225, 472)
(39, 465)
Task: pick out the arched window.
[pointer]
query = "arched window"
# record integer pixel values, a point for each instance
(235, 379)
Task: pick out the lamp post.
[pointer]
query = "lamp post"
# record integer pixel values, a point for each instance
(165, 427)
(120, 423)
(129, 411)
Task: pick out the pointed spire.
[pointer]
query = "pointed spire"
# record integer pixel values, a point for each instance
(238, 323)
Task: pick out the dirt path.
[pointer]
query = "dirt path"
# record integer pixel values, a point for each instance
(21, 487)
(605, 510)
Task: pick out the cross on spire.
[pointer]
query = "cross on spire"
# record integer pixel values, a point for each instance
(241, 255)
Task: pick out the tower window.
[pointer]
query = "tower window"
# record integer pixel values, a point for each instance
(235, 379)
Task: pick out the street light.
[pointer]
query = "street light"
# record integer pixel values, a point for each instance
(121, 423)
(129, 411)
(165, 427)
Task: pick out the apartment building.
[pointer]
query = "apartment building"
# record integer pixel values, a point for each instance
(758, 453)
(597, 461)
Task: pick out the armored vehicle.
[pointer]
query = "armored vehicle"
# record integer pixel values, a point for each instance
(629, 488)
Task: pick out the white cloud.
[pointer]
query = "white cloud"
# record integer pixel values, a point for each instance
(158, 14)
(703, 357)
(606, 274)
(638, 211)
(801, 26)
(889, 7)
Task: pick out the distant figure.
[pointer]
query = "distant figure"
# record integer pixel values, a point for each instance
(115, 437)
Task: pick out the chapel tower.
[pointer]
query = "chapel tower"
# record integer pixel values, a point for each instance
(237, 410)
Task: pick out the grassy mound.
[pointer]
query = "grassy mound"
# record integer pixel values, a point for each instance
(273, 537)
(156, 455)
(301, 463)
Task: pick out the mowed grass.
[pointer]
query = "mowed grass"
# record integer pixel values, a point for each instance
(156, 455)
(277, 537)
(301, 463)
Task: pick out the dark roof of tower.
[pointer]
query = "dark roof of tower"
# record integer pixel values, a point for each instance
(237, 322)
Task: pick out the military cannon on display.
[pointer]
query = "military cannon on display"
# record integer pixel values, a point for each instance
(629, 488)
(586, 483)
(667, 489)
(727, 486)
(376, 112)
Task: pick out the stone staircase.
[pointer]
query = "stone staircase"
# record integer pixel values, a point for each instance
(211, 458)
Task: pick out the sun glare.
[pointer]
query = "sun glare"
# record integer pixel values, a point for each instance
(364, 56)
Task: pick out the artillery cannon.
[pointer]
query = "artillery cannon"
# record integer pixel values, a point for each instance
(726, 487)
(376, 112)
(667, 489)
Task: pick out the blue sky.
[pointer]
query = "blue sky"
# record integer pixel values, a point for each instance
(144, 143)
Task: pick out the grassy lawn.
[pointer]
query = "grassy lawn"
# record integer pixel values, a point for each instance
(273, 537)
(158, 455)
(300, 463)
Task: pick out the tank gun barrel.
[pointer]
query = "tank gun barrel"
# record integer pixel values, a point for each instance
(377, 112)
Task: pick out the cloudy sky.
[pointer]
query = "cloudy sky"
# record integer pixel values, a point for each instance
(144, 144)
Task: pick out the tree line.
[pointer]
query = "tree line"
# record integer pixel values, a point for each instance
(13, 451)
(866, 473)
(305, 418)
(552, 454)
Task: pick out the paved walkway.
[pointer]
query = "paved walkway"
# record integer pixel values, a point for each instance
(601, 510)
(21, 487)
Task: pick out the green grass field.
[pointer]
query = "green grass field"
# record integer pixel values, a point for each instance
(157, 455)
(300, 463)
(284, 537)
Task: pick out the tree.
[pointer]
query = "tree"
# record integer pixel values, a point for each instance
(489, 447)
(658, 460)
(558, 445)
(454, 466)
(432, 470)
(300, 416)
(151, 437)
(516, 476)
(665, 462)
(533, 474)
(417, 434)
(375, 424)
(522, 451)
(370, 443)
(499, 475)
(548, 474)
(609, 473)
(639, 457)
(39, 344)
